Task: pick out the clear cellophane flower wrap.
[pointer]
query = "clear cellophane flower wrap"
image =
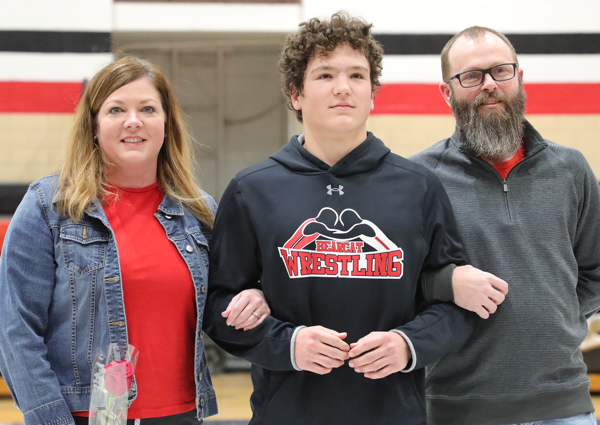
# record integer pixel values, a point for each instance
(112, 375)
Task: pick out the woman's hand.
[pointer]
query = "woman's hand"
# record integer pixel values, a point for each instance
(247, 310)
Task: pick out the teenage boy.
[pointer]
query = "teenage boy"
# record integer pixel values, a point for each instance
(336, 230)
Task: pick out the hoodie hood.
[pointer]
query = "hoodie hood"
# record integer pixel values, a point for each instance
(365, 157)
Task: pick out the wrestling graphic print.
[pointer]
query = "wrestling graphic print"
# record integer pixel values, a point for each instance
(344, 245)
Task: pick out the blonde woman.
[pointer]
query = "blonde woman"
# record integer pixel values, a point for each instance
(114, 249)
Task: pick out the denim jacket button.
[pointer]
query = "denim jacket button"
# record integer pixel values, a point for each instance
(189, 248)
(203, 289)
(202, 402)
(168, 217)
(200, 376)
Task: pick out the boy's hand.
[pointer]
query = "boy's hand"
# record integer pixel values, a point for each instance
(379, 354)
(319, 349)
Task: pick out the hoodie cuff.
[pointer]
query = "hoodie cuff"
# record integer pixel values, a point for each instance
(293, 348)
(437, 284)
(413, 363)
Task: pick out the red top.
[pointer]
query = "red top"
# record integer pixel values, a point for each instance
(159, 304)
(504, 168)
(3, 229)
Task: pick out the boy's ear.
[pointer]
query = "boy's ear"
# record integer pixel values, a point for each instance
(295, 97)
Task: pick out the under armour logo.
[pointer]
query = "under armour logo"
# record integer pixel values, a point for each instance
(330, 189)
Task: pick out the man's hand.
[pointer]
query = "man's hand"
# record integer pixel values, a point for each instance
(319, 349)
(241, 310)
(381, 354)
(478, 291)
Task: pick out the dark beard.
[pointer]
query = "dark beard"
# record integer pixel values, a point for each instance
(499, 134)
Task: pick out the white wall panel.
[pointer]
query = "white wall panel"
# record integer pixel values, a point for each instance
(223, 17)
(51, 67)
(560, 68)
(536, 68)
(445, 17)
(56, 15)
(411, 69)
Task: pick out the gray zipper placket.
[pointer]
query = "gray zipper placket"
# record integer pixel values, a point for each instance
(505, 181)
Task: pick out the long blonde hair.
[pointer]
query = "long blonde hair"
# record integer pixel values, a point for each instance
(83, 177)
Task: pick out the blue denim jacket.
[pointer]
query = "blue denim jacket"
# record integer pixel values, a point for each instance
(61, 300)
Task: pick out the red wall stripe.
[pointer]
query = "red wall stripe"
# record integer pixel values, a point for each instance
(37, 97)
(563, 98)
(410, 99)
(571, 98)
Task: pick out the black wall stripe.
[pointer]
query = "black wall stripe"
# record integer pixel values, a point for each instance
(541, 44)
(11, 196)
(55, 42)
(394, 44)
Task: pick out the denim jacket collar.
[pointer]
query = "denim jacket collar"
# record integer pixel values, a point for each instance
(169, 206)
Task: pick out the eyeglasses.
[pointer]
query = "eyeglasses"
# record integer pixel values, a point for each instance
(474, 78)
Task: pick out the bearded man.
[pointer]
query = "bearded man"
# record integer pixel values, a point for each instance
(528, 211)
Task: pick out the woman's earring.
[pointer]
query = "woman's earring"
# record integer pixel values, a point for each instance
(95, 138)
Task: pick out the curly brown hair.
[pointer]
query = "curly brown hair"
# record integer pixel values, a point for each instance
(317, 37)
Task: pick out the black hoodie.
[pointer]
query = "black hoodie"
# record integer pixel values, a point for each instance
(341, 247)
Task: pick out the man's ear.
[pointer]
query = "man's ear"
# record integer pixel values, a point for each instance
(295, 97)
(446, 92)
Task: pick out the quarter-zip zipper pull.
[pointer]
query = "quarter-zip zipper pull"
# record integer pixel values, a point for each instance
(505, 185)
